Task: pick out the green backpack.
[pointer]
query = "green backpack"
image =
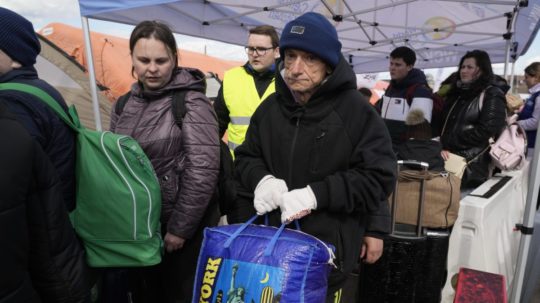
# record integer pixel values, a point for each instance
(118, 194)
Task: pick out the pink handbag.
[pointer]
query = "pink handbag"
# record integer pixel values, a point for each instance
(509, 151)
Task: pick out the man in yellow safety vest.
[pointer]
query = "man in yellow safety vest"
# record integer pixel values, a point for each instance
(245, 87)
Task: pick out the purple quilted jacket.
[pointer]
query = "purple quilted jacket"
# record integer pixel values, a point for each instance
(186, 160)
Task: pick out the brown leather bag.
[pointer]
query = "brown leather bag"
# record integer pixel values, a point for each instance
(442, 196)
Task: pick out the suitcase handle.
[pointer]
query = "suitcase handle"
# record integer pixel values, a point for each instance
(423, 166)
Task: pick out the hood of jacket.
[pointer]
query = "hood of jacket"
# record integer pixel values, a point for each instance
(181, 78)
(414, 76)
(341, 79)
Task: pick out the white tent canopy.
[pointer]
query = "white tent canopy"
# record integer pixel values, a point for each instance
(439, 31)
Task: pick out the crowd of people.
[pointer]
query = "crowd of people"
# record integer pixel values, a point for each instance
(307, 146)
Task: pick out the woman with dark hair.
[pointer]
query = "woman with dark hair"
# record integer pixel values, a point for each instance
(474, 112)
(530, 114)
(185, 157)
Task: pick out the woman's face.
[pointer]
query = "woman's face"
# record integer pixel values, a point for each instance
(469, 71)
(531, 80)
(153, 63)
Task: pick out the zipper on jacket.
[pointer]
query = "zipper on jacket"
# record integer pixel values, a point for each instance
(293, 145)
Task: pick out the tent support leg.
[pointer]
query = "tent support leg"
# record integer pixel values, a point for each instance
(91, 72)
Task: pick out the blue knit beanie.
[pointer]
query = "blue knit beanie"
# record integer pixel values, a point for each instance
(312, 33)
(18, 38)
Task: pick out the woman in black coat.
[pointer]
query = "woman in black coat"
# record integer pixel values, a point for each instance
(474, 112)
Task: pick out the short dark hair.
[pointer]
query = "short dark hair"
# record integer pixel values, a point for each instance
(405, 53)
(266, 30)
(157, 30)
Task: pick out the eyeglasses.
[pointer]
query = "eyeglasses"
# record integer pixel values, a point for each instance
(261, 51)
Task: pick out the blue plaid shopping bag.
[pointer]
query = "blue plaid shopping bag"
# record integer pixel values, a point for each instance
(256, 263)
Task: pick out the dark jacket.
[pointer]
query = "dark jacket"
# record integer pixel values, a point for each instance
(428, 151)
(54, 136)
(394, 106)
(336, 145)
(186, 160)
(41, 258)
(262, 80)
(467, 127)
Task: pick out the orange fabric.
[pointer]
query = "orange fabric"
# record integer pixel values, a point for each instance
(377, 91)
(112, 61)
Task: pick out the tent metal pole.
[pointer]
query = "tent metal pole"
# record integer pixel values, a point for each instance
(527, 225)
(506, 59)
(91, 72)
(512, 76)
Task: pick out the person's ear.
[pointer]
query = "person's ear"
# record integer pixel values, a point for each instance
(276, 53)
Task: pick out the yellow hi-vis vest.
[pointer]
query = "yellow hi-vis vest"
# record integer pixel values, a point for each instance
(242, 99)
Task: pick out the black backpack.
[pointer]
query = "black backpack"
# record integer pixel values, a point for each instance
(226, 188)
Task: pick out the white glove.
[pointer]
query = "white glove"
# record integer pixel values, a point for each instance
(297, 204)
(268, 194)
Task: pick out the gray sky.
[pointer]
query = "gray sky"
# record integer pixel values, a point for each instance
(42, 13)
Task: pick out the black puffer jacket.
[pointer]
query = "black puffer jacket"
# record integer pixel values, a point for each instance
(467, 127)
(44, 125)
(40, 253)
(338, 145)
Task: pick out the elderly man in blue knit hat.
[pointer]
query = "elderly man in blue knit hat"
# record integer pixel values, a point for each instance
(57, 261)
(315, 154)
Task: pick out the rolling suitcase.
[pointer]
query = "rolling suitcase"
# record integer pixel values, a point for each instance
(413, 264)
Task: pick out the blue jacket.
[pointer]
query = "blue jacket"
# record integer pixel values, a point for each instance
(54, 136)
(528, 112)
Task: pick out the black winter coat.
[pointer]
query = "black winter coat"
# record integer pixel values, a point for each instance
(338, 145)
(467, 128)
(41, 257)
(428, 151)
(54, 136)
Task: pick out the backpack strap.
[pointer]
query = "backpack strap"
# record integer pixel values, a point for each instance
(121, 103)
(481, 98)
(409, 94)
(47, 99)
(178, 106)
